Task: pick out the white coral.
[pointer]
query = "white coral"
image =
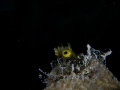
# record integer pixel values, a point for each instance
(91, 75)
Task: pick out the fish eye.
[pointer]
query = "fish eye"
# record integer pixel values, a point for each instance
(66, 53)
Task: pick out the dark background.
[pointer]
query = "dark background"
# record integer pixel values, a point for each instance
(34, 28)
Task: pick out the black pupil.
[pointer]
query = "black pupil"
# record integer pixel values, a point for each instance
(65, 52)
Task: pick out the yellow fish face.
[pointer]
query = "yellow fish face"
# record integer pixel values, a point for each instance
(65, 52)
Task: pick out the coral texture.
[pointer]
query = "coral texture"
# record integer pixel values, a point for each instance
(86, 72)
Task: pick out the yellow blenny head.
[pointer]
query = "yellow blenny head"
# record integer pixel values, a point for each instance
(65, 52)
